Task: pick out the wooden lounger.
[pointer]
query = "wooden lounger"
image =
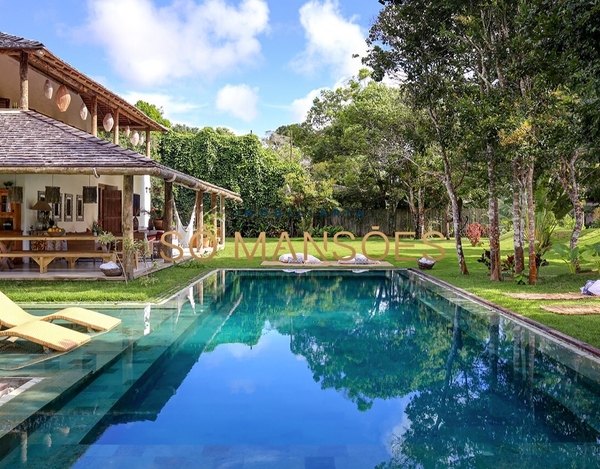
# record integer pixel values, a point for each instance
(11, 315)
(50, 336)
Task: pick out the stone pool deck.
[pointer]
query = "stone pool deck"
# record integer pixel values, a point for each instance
(52, 380)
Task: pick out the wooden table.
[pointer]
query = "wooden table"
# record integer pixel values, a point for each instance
(43, 258)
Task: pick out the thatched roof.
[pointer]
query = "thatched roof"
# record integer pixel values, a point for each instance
(31, 143)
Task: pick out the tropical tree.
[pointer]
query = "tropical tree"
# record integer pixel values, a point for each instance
(412, 41)
(362, 136)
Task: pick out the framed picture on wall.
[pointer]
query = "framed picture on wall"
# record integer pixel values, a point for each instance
(79, 208)
(57, 208)
(68, 208)
(41, 215)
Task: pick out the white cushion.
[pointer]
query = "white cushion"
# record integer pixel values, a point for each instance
(311, 259)
(359, 259)
(289, 258)
(594, 288)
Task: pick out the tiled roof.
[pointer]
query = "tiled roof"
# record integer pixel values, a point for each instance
(31, 140)
(33, 143)
(8, 41)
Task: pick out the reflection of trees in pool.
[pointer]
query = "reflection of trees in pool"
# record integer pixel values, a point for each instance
(452, 425)
(496, 392)
(375, 351)
(357, 336)
(290, 296)
(474, 378)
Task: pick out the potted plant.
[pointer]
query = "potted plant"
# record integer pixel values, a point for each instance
(209, 224)
(106, 239)
(110, 269)
(96, 227)
(157, 217)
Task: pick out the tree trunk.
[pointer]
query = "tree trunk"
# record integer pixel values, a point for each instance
(578, 209)
(421, 211)
(446, 178)
(568, 179)
(456, 223)
(410, 199)
(494, 229)
(531, 227)
(456, 344)
(518, 236)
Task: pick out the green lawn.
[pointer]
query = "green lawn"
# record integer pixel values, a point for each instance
(552, 278)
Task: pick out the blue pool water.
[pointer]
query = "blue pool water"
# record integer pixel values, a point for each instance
(330, 370)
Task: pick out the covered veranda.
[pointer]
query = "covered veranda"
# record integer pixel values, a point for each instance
(53, 143)
(61, 150)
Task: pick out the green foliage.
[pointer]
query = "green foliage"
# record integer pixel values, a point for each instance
(329, 229)
(106, 238)
(594, 251)
(569, 256)
(306, 196)
(545, 224)
(567, 222)
(360, 136)
(240, 164)
(153, 112)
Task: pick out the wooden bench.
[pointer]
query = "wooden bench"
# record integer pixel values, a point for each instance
(83, 245)
(43, 258)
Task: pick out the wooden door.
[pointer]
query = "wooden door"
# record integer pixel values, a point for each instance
(112, 214)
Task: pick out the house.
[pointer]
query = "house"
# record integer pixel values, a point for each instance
(49, 117)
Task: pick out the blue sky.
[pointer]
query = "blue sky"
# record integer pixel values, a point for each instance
(249, 65)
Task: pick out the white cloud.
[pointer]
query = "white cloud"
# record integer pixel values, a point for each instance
(238, 100)
(170, 105)
(301, 106)
(331, 40)
(147, 44)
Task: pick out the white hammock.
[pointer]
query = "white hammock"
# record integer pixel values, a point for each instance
(185, 233)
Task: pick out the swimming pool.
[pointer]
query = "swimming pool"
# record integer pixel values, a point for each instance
(327, 369)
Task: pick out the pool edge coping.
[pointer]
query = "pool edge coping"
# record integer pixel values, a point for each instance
(530, 322)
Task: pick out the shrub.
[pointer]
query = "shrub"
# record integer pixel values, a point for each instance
(474, 232)
(567, 222)
(486, 259)
(330, 229)
(569, 256)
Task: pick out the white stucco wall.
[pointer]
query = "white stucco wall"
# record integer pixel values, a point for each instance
(70, 184)
(10, 88)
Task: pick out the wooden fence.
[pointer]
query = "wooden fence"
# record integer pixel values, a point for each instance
(358, 221)
(362, 221)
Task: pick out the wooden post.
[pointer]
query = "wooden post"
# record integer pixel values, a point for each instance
(222, 207)
(94, 112)
(148, 143)
(24, 76)
(116, 127)
(199, 216)
(168, 217)
(213, 212)
(128, 254)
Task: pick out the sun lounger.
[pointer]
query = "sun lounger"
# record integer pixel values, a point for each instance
(11, 315)
(50, 336)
